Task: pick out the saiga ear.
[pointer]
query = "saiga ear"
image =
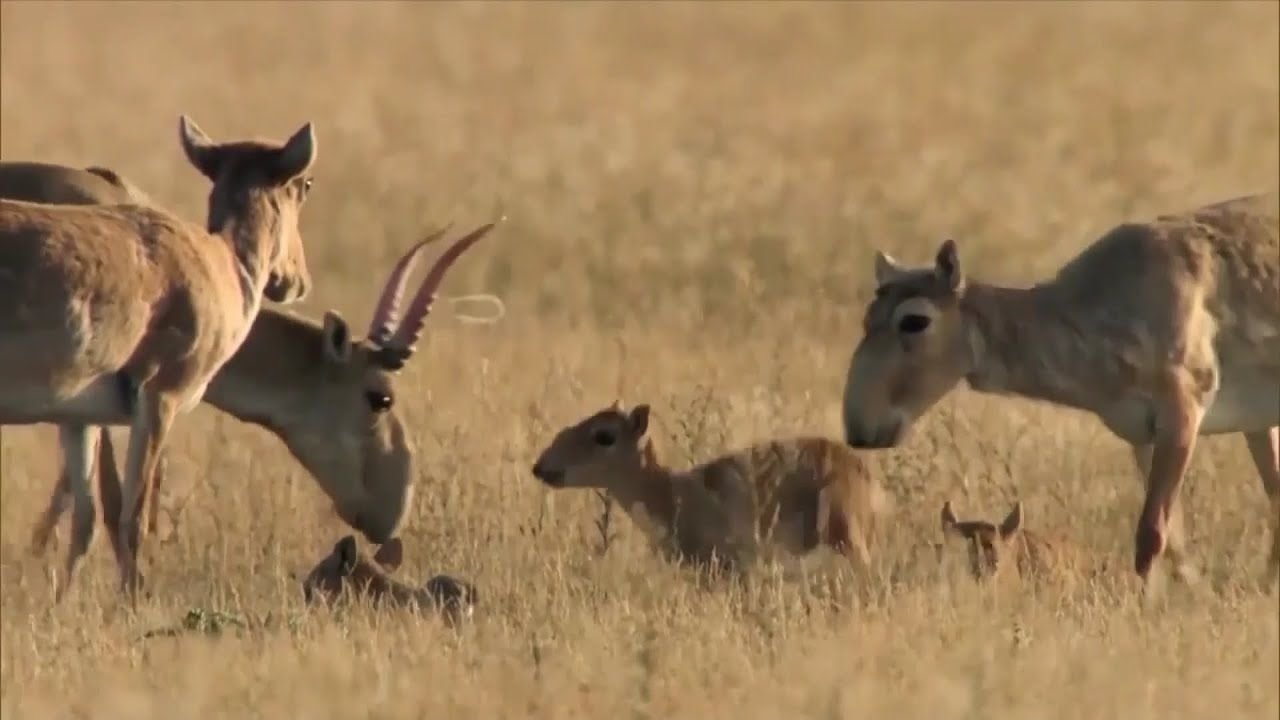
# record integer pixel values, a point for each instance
(947, 265)
(390, 554)
(640, 420)
(297, 155)
(948, 518)
(337, 339)
(1012, 522)
(202, 152)
(887, 269)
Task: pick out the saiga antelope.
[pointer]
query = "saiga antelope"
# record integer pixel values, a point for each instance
(795, 494)
(122, 314)
(346, 569)
(329, 397)
(1165, 330)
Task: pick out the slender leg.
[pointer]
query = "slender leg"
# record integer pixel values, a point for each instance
(1176, 431)
(152, 495)
(1265, 448)
(77, 453)
(153, 417)
(47, 523)
(109, 490)
(1183, 568)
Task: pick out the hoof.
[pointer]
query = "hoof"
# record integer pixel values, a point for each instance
(1148, 545)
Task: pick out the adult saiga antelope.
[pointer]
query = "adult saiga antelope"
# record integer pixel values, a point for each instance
(121, 314)
(1165, 330)
(329, 397)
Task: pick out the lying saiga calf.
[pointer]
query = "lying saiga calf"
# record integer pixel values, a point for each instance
(1166, 330)
(793, 494)
(994, 549)
(346, 569)
(122, 314)
(329, 397)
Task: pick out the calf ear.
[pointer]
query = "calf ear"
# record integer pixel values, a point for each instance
(1011, 522)
(390, 554)
(348, 555)
(640, 420)
(948, 517)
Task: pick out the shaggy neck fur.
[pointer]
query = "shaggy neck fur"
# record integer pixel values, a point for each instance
(254, 239)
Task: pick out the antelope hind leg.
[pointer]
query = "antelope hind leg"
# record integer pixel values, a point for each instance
(78, 454)
(48, 520)
(153, 416)
(1264, 446)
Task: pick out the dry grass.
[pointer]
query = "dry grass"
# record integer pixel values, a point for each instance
(694, 194)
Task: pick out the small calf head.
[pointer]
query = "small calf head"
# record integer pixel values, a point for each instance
(591, 452)
(988, 543)
(345, 567)
(914, 349)
(262, 184)
(457, 598)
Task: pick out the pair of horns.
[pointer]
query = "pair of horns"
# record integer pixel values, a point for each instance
(395, 336)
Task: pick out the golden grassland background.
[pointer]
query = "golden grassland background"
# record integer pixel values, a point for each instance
(694, 194)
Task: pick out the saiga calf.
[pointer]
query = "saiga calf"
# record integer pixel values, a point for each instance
(995, 549)
(795, 494)
(345, 569)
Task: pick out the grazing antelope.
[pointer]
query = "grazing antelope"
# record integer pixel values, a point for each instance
(1165, 330)
(345, 568)
(328, 397)
(793, 494)
(993, 547)
(122, 314)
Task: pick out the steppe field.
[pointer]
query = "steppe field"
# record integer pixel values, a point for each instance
(694, 193)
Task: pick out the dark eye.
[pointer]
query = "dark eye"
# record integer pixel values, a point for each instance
(306, 186)
(603, 438)
(378, 401)
(911, 324)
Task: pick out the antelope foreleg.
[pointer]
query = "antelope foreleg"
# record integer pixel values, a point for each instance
(1176, 431)
(1265, 448)
(1175, 537)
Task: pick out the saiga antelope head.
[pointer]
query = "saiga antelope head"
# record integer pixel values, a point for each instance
(344, 425)
(914, 349)
(270, 178)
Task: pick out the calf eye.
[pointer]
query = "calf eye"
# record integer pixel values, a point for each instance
(911, 324)
(378, 401)
(603, 438)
